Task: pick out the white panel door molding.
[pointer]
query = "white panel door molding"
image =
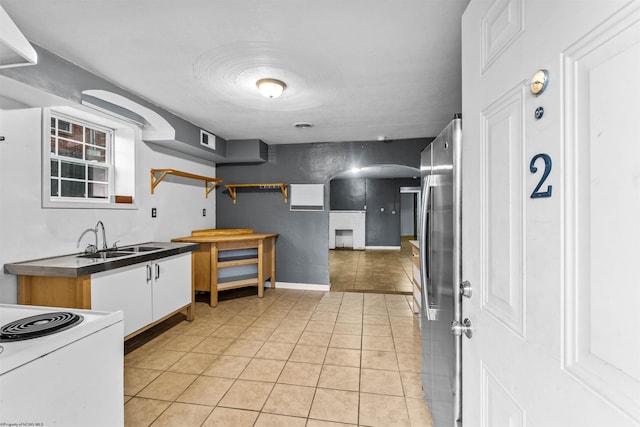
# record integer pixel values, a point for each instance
(499, 407)
(601, 172)
(502, 212)
(501, 25)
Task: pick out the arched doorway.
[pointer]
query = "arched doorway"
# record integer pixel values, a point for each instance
(367, 249)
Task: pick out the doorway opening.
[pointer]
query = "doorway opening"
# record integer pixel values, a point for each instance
(372, 220)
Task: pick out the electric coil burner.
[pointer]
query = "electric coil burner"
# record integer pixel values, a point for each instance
(38, 326)
(49, 355)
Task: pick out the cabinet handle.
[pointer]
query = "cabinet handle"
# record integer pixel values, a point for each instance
(157, 271)
(148, 273)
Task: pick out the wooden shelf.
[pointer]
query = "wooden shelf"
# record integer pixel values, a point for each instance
(164, 172)
(233, 189)
(237, 281)
(236, 261)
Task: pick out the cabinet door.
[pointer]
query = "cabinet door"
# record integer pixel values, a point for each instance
(125, 289)
(172, 287)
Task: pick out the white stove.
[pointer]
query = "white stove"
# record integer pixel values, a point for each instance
(71, 377)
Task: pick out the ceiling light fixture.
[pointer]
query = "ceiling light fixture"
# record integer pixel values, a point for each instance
(270, 88)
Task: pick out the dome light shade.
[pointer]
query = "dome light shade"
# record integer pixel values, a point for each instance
(270, 88)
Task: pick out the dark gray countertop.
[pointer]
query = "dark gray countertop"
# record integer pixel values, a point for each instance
(75, 266)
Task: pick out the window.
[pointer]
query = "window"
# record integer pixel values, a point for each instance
(87, 159)
(81, 160)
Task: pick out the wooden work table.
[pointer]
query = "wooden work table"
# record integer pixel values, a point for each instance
(222, 254)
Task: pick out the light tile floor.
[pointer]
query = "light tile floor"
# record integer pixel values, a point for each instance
(372, 270)
(292, 358)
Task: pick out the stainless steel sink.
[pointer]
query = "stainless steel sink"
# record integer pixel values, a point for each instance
(139, 249)
(105, 255)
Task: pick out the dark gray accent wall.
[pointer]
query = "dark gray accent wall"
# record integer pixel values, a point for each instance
(303, 245)
(380, 198)
(348, 194)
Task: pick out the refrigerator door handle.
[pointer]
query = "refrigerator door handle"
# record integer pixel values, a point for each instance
(425, 248)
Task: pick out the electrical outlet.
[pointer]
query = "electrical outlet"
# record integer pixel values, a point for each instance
(153, 212)
(204, 212)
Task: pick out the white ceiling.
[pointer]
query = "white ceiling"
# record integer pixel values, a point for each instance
(355, 69)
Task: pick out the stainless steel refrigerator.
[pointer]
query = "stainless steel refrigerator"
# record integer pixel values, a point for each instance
(440, 270)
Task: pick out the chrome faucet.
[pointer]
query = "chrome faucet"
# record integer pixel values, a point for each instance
(104, 235)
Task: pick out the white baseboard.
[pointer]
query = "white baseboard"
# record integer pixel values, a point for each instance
(301, 286)
(383, 248)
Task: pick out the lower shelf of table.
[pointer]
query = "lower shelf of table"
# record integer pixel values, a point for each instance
(237, 282)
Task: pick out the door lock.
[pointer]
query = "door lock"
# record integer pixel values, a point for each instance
(465, 289)
(458, 328)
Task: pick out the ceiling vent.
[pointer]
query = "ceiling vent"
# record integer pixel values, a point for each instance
(207, 140)
(302, 125)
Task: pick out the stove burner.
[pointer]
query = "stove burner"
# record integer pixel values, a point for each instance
(38, 326)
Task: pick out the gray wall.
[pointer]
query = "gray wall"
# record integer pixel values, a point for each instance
(380, 198)
(303, 245)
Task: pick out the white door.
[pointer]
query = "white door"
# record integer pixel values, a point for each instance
(556, 277)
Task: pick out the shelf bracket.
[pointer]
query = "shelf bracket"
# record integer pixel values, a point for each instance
(232, 193)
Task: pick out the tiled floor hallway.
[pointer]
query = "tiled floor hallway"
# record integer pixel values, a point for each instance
(292, 358)
(372, 270)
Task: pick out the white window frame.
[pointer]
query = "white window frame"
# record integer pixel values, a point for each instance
(94, 121)
(108, 164)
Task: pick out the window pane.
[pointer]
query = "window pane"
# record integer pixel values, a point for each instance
(53, 145)
(70, 130)
(53, 125)
(95, 137)
(98, 174)
(95, 154)
(98, 191)
(72, 188)
(54, 168)
(54, 187)
(72, 170)
(100, 138)
(69, 149)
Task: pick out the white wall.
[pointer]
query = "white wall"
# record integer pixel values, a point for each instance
(27, 231)
(407, 212)
(348, 220)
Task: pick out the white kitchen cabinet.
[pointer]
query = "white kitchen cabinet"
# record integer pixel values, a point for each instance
(125, 289)
(172, 285)
(146, 292)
